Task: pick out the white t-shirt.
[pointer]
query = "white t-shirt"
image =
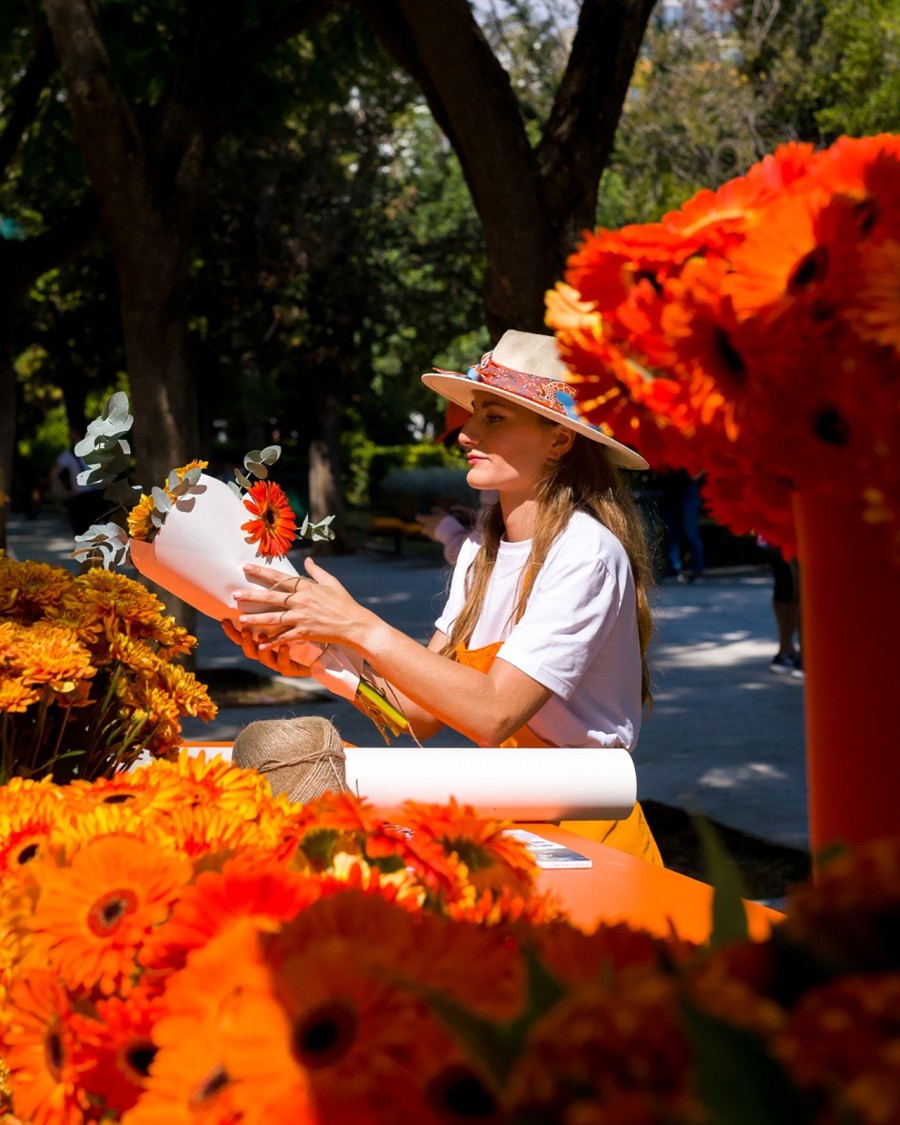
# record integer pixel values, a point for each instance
(578, 635)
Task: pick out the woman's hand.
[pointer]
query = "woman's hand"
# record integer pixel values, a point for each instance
(320, 610)
(278, 659)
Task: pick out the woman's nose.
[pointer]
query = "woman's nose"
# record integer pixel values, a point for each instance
(466, 439)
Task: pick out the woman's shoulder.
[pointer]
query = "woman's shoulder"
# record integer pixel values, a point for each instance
(592, 535)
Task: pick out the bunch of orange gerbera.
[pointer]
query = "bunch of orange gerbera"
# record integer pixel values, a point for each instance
(178, 945)
(87, 678)
(754, 334)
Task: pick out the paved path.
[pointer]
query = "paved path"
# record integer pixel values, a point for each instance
(725, 737)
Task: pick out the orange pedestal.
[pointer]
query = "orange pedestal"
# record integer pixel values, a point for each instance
(850, 627)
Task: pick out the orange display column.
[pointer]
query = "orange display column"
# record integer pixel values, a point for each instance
(850, 629)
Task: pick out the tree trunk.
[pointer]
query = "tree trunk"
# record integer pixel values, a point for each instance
(533, 201)
(7, 427)
(326, 497)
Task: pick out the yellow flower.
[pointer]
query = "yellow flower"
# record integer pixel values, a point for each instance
(29, 590)
(140, 525)
(50, 654)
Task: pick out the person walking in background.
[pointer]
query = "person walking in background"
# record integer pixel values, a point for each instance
(543, 640)
(84, 504)
(788, 660)
(680, 506)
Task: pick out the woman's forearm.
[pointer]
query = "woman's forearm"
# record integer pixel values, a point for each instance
(432, 686)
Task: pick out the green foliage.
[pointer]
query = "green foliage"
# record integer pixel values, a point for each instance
(369, 464)
(737, 1080)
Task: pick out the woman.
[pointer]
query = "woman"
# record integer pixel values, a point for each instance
(543, 639)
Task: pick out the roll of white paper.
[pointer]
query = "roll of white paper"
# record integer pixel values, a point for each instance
(522, 783)
(525, 783)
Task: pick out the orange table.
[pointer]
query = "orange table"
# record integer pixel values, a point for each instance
(622, 888)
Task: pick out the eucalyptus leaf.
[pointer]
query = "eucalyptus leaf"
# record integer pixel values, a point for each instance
(161, 500)
(172, 481)
(729, 915)
(122, 492)
(257, 468)
(270, 454)
(242, 480)
(737, 1080)
(234, 488)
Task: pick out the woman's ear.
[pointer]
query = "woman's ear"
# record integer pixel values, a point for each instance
(562, 442)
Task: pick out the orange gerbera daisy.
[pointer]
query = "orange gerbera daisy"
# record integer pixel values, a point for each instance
(875, 310)
(493, 858)
(39, 1048)
(335, 1033)
(273, 526)
(248, 886)
(604, 1042)
(95, 913)
(118, 1048)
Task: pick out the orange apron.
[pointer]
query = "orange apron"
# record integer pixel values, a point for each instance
(630, 835)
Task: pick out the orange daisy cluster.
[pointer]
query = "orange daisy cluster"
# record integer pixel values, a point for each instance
(755, 334)
(87, 679)
(181, 945)
(318, 964)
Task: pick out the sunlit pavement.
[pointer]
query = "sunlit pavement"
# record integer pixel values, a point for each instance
(725, 737)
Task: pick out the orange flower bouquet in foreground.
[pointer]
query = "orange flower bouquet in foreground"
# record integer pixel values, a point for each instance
(755, 334)
(179, 946)
(88, 673)
(193, 536)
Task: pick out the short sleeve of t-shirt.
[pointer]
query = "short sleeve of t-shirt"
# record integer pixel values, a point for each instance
(457, 594)
(572, 609)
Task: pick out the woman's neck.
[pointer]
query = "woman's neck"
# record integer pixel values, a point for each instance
(519, 517)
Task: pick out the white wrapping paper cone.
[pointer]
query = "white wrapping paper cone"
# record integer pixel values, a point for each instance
(547, 783)
(522, 783)
(199, 555)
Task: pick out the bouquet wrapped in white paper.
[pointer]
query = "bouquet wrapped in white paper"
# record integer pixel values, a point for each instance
(193, 537)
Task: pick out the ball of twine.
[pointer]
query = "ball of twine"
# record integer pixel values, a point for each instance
(303, 758)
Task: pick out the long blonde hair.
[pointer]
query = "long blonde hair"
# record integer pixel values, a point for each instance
(582, 480)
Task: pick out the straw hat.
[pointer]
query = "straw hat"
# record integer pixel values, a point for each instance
(526, 368)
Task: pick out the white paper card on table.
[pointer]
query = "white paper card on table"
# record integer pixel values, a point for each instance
(548, 854)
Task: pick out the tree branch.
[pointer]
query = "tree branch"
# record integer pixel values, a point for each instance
(581, 129)
(25, 103)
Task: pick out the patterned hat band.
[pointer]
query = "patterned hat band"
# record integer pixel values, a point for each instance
(549, 393)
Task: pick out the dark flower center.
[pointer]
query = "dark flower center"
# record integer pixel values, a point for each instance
(459, 1094)
(811, 268)
(27, 853)
(831, 426)
(108, 911)
(729, 355)
(867, 215)
(140, 1056)
(648, 275)
(216, 1080)
(270, 516)
(325, 1035)
(54, 1052)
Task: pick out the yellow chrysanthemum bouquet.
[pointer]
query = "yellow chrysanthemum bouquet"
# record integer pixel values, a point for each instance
(88, 673)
